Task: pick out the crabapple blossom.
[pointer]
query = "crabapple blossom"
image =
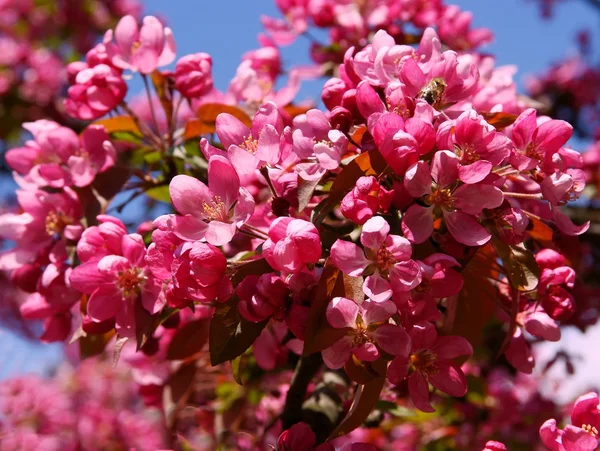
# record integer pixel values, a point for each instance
(385, 261)
(430, 359)
(214, 212)
(292, 244)
(368, 332)
(365, 200)
(193, 74)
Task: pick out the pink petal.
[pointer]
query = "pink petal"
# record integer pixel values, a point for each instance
(451, 347)
(374, 232)
(398, 369)
(405, 276)
(540, 325)
(565, 225)
(86, 277)
(577, 439)
(465, 229)
(104, 303)
(188, 194)
(472, 199)
(189, 228)
(367, 352)
(243, 161)
(551, 436)
(169, 50)
(444, 168)
(376, 312)
(449, 379)
(417, 223)
(126, 33)
(269, 145)
(219, 233)
(377, 288)
(349, 258)
(337, 355)
(230, 130)
(368, 101)
(475, 172)
(134, 248)
(223, 180)
(342, 312)
(392, 339)
(418, 388)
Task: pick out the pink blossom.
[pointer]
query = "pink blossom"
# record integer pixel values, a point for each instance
(193, 74)
(477, 144)
(47, 222)
(101, 240)
(459, 207)
(366, 198)
(118, 284)
(292, 244)
(271, 348)
(535, 143)
(582, 434)
(319, 148)
(214, 212)
(95, 91)
(454, 27)
(143, 49)
(493, 445)
(248, 149)
(262, 297)
(57, 157)
(519, 353)
(365, 337)
(387, 256)
(431, 360)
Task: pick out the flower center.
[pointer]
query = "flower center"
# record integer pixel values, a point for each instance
(441, 198)
(250, 144)
(533, 151)
(135, 47)
(56, 221)
(385, 259)
(130, 280)
(425, 361)
(466, 154)
(215, 210)
(590, 429)
(360, 333)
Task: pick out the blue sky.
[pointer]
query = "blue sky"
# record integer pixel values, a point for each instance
(228, 28)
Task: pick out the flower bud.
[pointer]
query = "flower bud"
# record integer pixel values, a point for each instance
(193, 75)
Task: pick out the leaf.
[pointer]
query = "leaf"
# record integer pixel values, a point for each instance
(306, 188)
(235, 369)
(519, 262)
(207, 117)
(500, 119)
(368, 163)
(230, 334)
(119, 124)
(365, 400)
(161, 85)
(476, 301)
(160, 193)
(91, 345)
(319, 334)
(118, 348)
(364, 372)
(145, 325)
(188, 340)
(256, 267)
(295, 110)
(177, 390)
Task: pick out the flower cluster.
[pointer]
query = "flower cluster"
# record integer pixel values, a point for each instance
(371, 238)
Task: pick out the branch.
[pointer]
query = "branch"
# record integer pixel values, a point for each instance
(306, 369)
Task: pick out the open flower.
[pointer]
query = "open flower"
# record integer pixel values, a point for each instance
(430, 360)
(458, 205)
(368, 332)
(214, 212)
(385, 260)
(583, 434)
(117, 283)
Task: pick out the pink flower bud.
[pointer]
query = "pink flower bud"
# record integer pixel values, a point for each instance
(292, 244)
(332, 92)
(261, 297)
(193, 74)
(96, 91)
(363, 202)
(341, 119)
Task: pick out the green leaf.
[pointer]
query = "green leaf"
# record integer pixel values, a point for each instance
(519, 262)
(160, 193)
(230, 334)
(188, 340)
(235, 368)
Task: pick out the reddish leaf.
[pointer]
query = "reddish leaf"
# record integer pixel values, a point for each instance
(161, 85)
(476, 301)
(188, 340)
(295, 110)
(500, 119)
(230, 334)
(145, 325)
(368, 163)
(319, 334)
(207, 117)
(306, 188)
(119, 124)
(365, 399)
(254, 267)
